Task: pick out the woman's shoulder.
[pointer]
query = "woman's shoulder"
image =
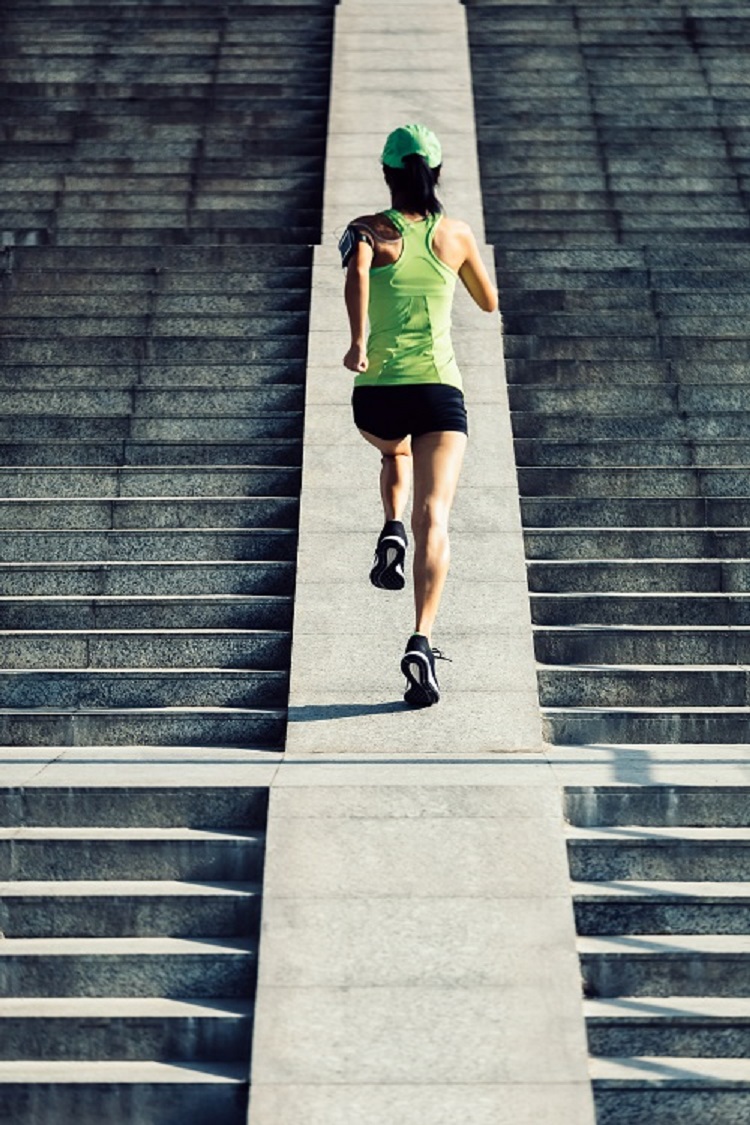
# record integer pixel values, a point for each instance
(457, 227)
(378, 225)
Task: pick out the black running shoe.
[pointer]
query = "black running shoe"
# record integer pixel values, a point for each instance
(388, 567)
(418, 665)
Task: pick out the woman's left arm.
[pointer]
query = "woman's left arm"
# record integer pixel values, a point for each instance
(474, 275)
(357, 296)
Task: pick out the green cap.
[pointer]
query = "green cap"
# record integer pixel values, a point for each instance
(410, 139)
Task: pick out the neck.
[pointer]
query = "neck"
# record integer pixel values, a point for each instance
(399, 204)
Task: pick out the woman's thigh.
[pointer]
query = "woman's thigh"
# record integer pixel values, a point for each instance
(437, 460)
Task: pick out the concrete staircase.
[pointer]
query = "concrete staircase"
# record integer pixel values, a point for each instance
(616, 172)
(162, 172)
(128, 959)
(161, 168)
(662, 901)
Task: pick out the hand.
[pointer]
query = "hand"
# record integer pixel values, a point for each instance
(356, 358)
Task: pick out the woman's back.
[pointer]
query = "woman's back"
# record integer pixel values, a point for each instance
(410, 309)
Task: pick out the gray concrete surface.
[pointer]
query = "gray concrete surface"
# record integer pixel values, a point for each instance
(346, 686)
(417, 952)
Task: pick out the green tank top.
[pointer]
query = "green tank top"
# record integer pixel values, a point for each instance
(410, 313)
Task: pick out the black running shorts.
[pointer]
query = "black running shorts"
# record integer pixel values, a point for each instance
(393, 412)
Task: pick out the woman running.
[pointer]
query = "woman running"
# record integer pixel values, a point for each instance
(408, 402)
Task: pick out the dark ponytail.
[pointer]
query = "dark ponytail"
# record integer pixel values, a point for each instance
(414, 185)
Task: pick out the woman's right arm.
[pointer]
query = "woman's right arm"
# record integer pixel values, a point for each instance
(474, 275)
(356, 296)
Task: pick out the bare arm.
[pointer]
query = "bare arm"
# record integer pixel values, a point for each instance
(474, 275)
(357, 296)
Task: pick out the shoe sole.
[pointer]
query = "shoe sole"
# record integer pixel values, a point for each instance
(423, 690)
(388, 570)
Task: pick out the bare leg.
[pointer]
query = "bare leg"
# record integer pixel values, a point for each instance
(437, 465)
(395, 473)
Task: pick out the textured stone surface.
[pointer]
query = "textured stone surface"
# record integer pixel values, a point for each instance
(153, 314)
(627, 138)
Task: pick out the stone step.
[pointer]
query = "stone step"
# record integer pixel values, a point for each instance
(285, 451)
(593, 229)
(708, 806)
(137, 580)
(700, 303)
(635, 852)
(256, 649)
(506, 237)
(577, 138)
(260, 260)
(181, 88)
(63, 306)
(208, 325)
(513, 194)
(50, 1091)
(237, 233)
(259, 730)
(638, 576)
(126, 907)
(163, 966)
(241, 224)
(564, 374)
(659, 906)
(153, 512)
(623, 512)
(174, 428)
(610, 289)
(118, 119)
(86, 689)
(619, 399)
(199, 854)
(636, 543)
(124, 1028)
(694, 1091)
(596, 298)
(134, 805)
(665, 965)
(697, 279)
(209, 611)
(54, 167)
(193, 212)
(643, 645)
(224, 378)
(499, 180)
(97, 350)
(251, 283)
(646, 725)
(682, 1027)
(573, 460)
(706, 427)
(647, 608)
(173, 481)
(178, 546)
(150, 402)
(670, 482)
(616, 258)
(642, 686)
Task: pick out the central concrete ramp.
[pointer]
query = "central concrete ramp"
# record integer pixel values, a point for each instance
(346, 687)
(418, 958)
